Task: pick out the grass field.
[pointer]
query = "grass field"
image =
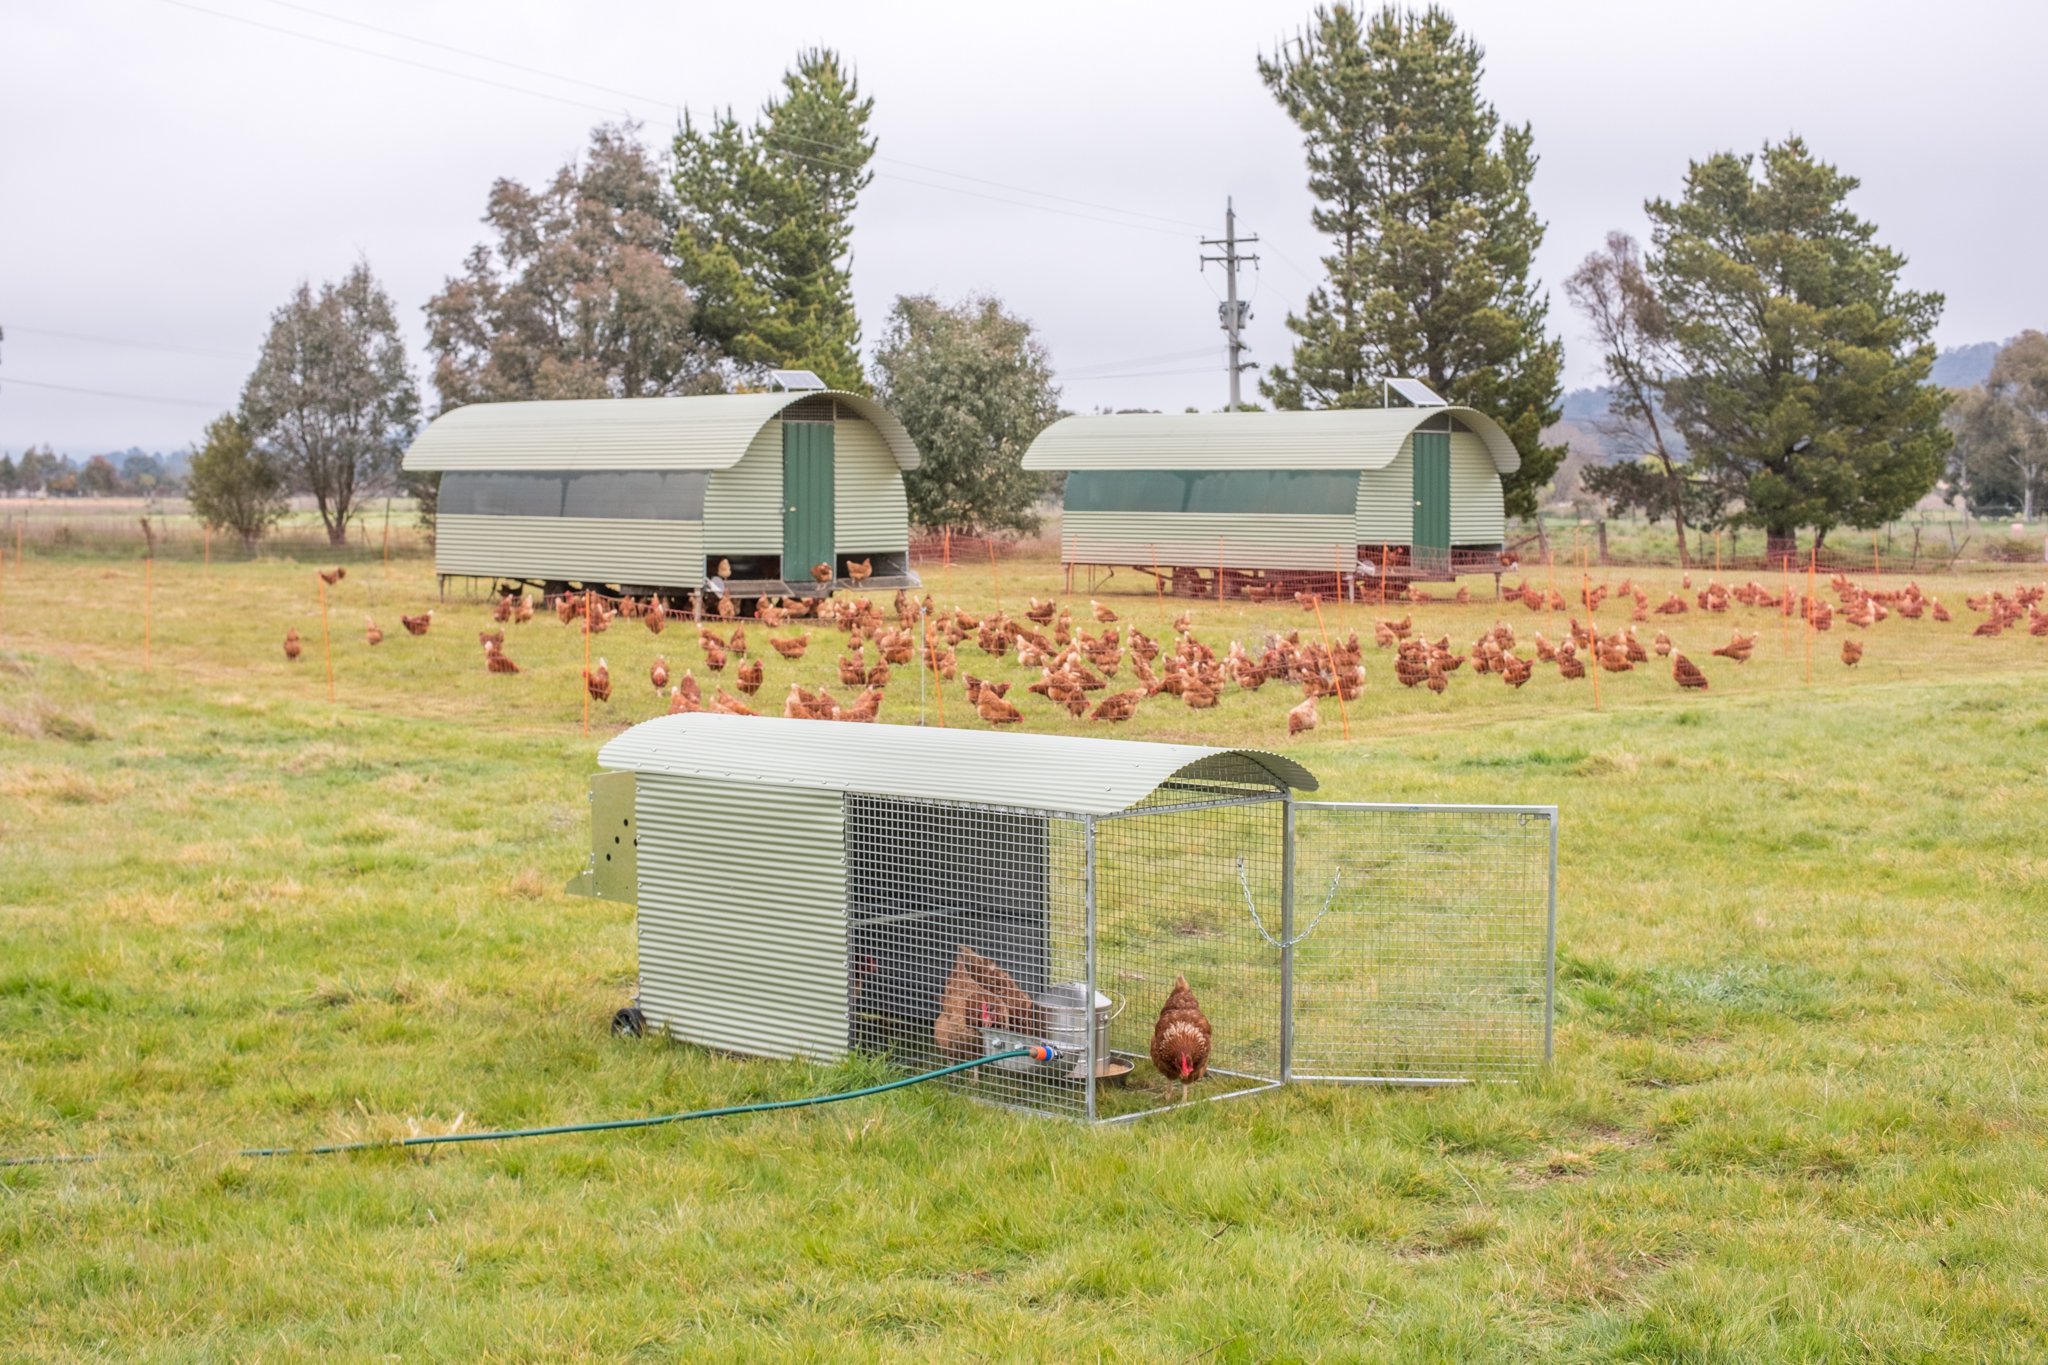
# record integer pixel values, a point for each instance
(1797, 1110)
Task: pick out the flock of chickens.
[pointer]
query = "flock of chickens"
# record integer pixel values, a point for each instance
(1107, 673)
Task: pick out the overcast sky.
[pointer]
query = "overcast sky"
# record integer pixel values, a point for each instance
(169, 170)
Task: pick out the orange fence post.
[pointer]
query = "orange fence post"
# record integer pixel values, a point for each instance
(1383, 575)
(931, 659)
(1337, 555)
(326, 642)
(1592, 635)
(1812, 573)
(1158, 584)
(1343, 711)
(586, 661)
(1219, 569)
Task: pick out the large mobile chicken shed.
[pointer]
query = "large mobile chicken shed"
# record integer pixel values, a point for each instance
(1411, 492)
(806, 888)
(649, 495)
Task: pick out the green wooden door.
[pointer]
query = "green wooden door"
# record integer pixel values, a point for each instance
(806, 499)
(1431, 542)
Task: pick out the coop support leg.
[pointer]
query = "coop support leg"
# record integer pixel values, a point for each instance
(1088, 1057)
(1287, 939)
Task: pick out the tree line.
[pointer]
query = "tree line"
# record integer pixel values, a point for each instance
(619, 278)
(41, 470)
(1766, 361)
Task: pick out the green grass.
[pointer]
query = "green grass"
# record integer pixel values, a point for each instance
(1797, 1110)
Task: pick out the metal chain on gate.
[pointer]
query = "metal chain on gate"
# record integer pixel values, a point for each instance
(1245, 884)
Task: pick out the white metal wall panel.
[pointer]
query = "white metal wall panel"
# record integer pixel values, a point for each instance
(870, 512)
(1386, 501)
(742, 920)
(585, 549)
(1477, 517)
(1197, 540)
(743, 505)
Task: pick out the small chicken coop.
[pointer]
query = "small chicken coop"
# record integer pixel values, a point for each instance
(806, 889)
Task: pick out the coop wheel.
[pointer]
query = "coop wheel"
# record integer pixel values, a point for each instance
(629, 1022)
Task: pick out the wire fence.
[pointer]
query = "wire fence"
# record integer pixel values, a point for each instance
(168, 530)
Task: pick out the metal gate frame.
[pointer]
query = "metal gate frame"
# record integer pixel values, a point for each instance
(1289, 939)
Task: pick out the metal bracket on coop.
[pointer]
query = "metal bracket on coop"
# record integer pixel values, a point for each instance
(930, 896)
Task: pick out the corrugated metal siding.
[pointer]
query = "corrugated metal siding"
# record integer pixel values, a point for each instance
(586, 549)
(742, 922)
(1354, 438)
(1069, 773)
(743, 506)
(711, 431)
(1197, 540)
(1386, 501)
(871, 513)
(1477, 515)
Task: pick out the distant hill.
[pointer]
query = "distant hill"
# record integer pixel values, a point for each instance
(1965, 367)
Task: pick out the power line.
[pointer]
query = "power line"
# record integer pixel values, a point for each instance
(6, 379)
(474, 55)
(664, 104)
(1161, 358)
(391, 57)
(1134, 374)
(122, 341)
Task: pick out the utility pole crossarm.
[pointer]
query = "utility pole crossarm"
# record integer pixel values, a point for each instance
(1234, 313)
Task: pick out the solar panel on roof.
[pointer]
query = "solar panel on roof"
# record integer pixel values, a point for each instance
(1417, 392)
(795, 381)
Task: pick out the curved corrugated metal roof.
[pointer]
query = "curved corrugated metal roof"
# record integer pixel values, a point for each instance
(1328, 438)
(708, 431)
(1039, 772)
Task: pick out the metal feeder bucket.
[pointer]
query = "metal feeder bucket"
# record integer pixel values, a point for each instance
(1067, 1023)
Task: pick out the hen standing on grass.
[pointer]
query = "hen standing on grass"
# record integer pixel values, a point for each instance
(1180, 1040)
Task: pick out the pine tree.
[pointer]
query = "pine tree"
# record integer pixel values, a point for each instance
(767, 223)
(1800, 376)
(1424, 196)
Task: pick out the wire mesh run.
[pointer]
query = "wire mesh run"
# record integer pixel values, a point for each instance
(1434, 961)
(1406, 944)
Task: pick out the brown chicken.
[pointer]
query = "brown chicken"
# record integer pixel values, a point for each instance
(416, 625)
(822, 572)
(979, 994)
(1686, 673)
(598, 682)
(656, 617)
(487, 638)
(496, 662)
(1180, 1039)
(714, 656)
(334, 575)
(860, 570)
(726, 704)
(1118, 706)
(995, 710)
(791, 649)
(1303, 717)
(750, 676)
(371, 632)
(292, 647)
(1852, 652)
(502, 611)
(1102, 614)
(1514, 672)
(657, 674)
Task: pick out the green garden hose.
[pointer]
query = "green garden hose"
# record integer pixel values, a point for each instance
(1038, 1052)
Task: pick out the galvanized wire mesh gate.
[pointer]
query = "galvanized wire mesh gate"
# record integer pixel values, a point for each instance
(1324, 941)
